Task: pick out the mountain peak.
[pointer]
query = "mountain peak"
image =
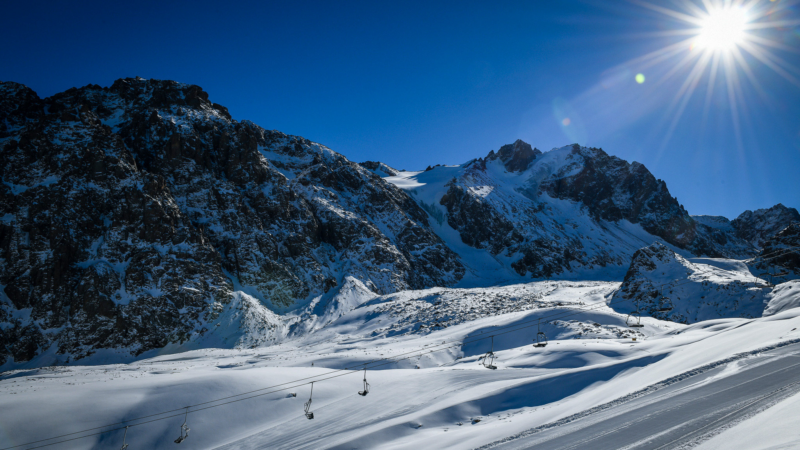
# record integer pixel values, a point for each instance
(516, 157)
(756, 226)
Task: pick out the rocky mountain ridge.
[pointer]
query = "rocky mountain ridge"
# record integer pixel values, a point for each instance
(760, 225)
(131, 214)
(142, 217)
(551, 214)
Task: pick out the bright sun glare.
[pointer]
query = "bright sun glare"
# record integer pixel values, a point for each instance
(721, 41)
(723, 29)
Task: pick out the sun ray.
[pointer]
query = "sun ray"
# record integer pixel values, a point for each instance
(724, 38)
(660, 54)
(694, 9)
(729, 81)
(739, 58)
(774, 24)
(761, 56)
(771, 43)
(669, 12)
(685, 94)
(712, 78)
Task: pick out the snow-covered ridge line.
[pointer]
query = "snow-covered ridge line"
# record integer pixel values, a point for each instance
(133, 217)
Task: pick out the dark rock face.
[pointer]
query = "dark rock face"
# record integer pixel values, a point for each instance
(379, 168)
(758, 226)
(613, 189)
(128, 214)
(781, 253)
(516, 157)
(544, 242)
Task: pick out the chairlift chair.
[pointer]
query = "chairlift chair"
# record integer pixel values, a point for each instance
(309, 414)
(184, 429)
(488, 358)
(638, 323)
(366, 385)
(637, 315)
(780, 274)
(541, 338)
(124, 436)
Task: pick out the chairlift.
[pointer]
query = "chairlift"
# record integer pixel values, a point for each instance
(366, 385)
(665, 304)
(184, 429)
(781, 274)
(309, 414)
(541, 338)
(488, 358)
(637, 315)
(124, 436)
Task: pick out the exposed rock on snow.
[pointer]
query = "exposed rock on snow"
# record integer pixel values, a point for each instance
(516, 157)
(567, 211)
(781, 253)
(379, 168)
(134, 217)
(759, 225)
(701, 289)
(718, 222)
(130, 214)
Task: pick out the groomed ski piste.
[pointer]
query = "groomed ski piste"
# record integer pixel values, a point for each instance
(428, 385)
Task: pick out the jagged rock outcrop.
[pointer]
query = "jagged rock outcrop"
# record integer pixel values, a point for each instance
(760, 225)
(130, 214)
(658, 278)
(379, 168)
(142, 216)
(553, 213)
(515, 157)
(781, 254)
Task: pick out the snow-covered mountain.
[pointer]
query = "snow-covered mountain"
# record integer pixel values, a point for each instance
(759, 225)
(570, 212)
(755, 227)
(130, 215)
(142, 218)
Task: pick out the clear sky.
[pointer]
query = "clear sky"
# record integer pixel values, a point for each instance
(419, 83)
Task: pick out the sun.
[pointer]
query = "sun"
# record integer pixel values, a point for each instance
(721, 42)
(722, 29)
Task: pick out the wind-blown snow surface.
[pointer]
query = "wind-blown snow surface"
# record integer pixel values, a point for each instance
(591, 359)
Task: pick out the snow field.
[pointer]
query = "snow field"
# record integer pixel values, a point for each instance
(584, 365)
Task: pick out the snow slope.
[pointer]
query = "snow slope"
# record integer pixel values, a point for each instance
(451, 401)
(775, 428)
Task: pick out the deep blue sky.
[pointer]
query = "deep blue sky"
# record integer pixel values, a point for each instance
(418, 83)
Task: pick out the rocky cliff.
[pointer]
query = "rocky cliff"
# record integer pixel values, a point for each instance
(781, 254)
(758, 226)
(571, 210)
(129, 215)
(142, 217)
